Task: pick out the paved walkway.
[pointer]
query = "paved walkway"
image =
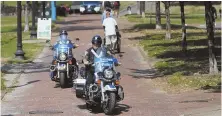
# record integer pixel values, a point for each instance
(35, 93)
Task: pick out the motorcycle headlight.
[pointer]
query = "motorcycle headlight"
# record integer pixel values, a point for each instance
(62, 56)
(62, 67)
(108, 73)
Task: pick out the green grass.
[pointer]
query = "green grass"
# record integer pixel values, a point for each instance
(174, 18)
(9, 23)
(69, 3)
(12, 20)
(196, 82)
(178, 83)
(189, 9)
(125, 4)
(9, 42)
(171, 60)
(3, 86)
(12, 3)
(169, 51)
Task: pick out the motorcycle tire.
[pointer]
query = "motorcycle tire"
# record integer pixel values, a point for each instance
(63, 79)
(109, 107)
(75, 72)
(89, 106)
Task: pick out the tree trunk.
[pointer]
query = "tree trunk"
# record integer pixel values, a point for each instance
(142, 6)
(210, 34)
(184, 34)
(158, 16)
(138, 7)
(26, 17)
(168, 28)
(3, 4)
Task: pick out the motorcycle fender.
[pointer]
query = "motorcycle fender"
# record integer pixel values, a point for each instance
(109, 88)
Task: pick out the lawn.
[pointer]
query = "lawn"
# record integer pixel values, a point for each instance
(188, 9)
(3, 86)
(174, 19)
(169, 51)
(9, 40)
(8, 46)
(125, 4)
(179, 69)
(13, 3)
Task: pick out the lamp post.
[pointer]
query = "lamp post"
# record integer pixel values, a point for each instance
(19, 54)
(43, 9)
(33, 32)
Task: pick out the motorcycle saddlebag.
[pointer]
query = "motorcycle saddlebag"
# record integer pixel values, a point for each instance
(80, 87)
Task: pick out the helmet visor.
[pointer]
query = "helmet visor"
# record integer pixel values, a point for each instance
(63, 37)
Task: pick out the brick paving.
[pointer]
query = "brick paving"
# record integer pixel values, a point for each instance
(36, 94)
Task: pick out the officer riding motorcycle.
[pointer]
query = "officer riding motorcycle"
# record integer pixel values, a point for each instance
(101, 86)
(64, 67)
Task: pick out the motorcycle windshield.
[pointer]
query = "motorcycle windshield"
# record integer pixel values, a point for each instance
(102, 60)
(64, 46)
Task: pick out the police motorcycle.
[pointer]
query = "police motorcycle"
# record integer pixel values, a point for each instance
(106, 90)
(64, 68)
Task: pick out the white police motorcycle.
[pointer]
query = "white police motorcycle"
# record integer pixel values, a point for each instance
(106, 90)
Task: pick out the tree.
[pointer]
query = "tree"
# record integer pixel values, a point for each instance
(3, 4)
(142, 8)
(138, 7)
(184, 42)
(210, 35)
(167, 12)
(158, 16)
(27, 17)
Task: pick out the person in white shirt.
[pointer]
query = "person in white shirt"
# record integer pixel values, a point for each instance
(111, 31)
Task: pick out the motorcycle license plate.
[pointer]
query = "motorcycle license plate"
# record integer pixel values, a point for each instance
(80, 81)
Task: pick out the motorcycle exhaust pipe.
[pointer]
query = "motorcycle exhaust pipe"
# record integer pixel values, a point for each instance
(94, 88)
(52, 68)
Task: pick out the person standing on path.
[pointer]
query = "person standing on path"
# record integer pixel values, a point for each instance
(110, 30)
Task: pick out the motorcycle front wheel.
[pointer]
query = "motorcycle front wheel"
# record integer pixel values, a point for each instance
(110, 105)
(63, 79)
